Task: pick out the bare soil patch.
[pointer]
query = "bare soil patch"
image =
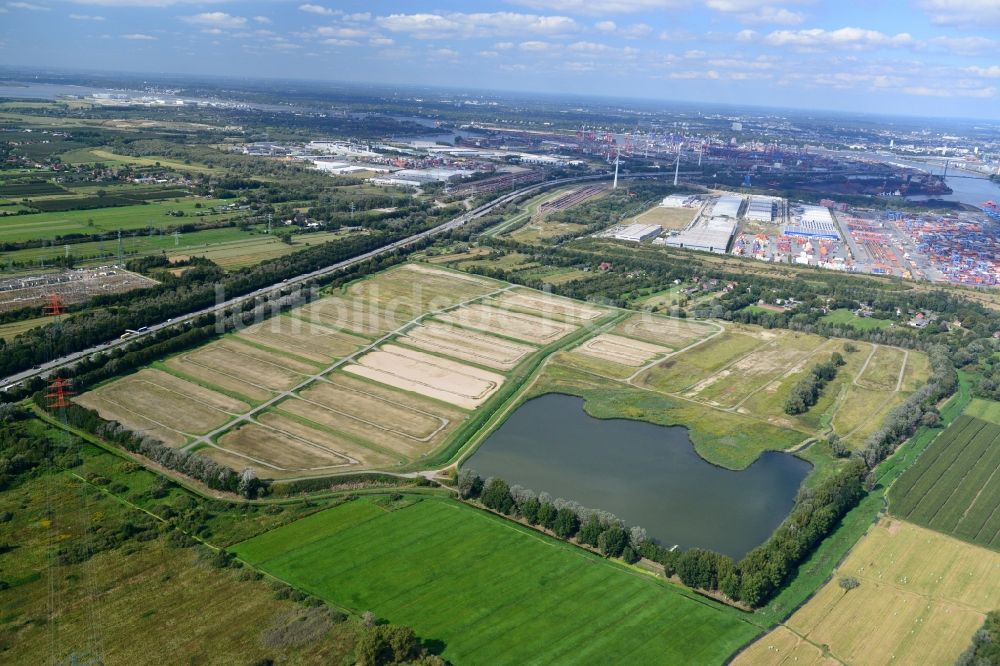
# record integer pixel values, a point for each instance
(302, 338)
(548, 305)
(516, 325)
(619, 349)
(673, 333)
(467, 345)
(432, 376)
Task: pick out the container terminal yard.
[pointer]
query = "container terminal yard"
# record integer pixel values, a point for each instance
(958, 246)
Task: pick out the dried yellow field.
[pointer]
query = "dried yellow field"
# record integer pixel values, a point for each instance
(673, 333)
(432, 376)
(412, 289)
(301, 338)
(283, 448)
(782, 647)
(247, 365)
(547, 304)
(922, 596)
(167, 407)
(517, 325)
(467, 345)
(609, 347)
(352, 316)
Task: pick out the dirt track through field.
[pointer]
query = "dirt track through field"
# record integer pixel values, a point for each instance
(610, 347)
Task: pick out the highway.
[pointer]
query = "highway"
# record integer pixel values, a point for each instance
(46, 369)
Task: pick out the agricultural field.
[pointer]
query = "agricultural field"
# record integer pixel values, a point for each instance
(920, 598)
(251, 251)
(954, 487)
(108, 220)
(13, 329)
(435, 564)
(92, 155)
(987, 410)
(376, 375)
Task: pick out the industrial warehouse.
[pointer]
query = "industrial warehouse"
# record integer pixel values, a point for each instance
(812, 222)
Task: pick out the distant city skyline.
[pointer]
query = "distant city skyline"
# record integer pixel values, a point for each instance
(926, 57)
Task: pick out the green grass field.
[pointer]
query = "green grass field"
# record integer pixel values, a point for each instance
(91, 155)
(11, 330)
(134, 243)
(492, 591)
(50, 225)
(844, 317)
(954, 487)
(987, 410)
(726, 439)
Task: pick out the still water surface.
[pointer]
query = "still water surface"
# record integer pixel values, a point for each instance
(646, 474)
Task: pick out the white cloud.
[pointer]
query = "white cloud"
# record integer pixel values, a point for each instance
(342, 33)
(458, 25)
(138, 37)
(993, 71)
(845, 38)
(216, 20)
(534, 46)
(606, 26)
(341, 42)
(262, 20)
(442, 54)
(746, 36)
(758, 11)
(85, 17)
(489, 54)
(316, 9)
(590, 7)
(773, 16)
(965, 13)
(503, 46)
(381, 41)
(28, 7)
(286, 46)
(965, 45)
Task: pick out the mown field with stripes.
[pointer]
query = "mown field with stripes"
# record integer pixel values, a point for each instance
(954, 487)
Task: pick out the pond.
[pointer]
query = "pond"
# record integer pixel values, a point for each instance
(645, 474)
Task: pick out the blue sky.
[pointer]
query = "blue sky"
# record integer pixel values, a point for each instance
(934, 57)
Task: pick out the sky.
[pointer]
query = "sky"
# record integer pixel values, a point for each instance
(924, 57)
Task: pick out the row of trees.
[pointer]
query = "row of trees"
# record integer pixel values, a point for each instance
(919, 408)
(752, 581)
(194, 465)
(566, 519)
(807, 390)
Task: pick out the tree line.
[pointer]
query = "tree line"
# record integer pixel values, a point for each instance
(807, 390)
(566, 519)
